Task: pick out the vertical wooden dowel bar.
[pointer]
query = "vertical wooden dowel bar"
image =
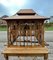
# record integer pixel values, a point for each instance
(27, 37)
(38, 33)
(24, 32)
(43, 35)
(40, 28)
(16, 41)
(34, 33)
(8, 34)
(20, 33)
(16, 33)
(31, 33)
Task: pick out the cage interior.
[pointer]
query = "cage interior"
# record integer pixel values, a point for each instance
(25, 34)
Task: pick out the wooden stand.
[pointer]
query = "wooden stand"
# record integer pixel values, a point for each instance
(26, 51)
(25, 35)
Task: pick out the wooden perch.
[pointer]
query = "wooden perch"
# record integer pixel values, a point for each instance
(28, 41)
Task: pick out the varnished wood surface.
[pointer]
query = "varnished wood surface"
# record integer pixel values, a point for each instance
(25, 50)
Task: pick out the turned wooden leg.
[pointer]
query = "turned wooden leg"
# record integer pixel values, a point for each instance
(19, 57)
(6, 57)
(35, 58)
(46, 57)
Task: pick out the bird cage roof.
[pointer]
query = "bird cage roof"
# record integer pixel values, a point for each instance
(24, 14)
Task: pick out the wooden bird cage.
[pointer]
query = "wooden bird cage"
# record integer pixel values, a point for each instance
(25, 29)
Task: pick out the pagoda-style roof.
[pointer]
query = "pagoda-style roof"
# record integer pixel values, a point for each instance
(25, 14)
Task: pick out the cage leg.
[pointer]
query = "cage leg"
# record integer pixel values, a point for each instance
(35, 58)
(46, 57)
(21, 58)
(6, 57)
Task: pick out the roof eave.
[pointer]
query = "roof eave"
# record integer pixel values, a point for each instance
(26, 19)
